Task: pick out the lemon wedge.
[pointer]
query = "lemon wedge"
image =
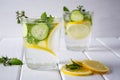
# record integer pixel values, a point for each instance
(95, 66)
(50, 37)
(42, 43)
(79, 72)
(40, 47)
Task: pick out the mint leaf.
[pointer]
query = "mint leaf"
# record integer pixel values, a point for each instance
(50, 19)
(15, 61)
(65, 9)
(36, 41)
(10, 61)
(44, 16)
(73, 66)
(30, 39)
(20, 15)
(3, 59)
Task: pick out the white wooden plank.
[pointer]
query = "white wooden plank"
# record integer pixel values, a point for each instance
(102, 54)
(29, 74)
(11, 47)
(65, 55)
(112, 44)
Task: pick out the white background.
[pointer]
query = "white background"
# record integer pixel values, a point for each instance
(106, 14)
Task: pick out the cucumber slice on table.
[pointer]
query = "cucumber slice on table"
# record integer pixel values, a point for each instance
(40, 31)
(76, 15)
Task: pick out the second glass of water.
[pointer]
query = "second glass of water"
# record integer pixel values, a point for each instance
(78, 28)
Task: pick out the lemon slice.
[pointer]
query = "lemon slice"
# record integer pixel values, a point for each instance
(40, 47)
(50, 37)
(77, 31)
(79, 72)
(95, 66)
(43, 43)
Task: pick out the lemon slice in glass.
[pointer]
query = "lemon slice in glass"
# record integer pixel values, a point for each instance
(77, 31)
(41, 46)
(79, 72)
(95, 66)
(50, 37)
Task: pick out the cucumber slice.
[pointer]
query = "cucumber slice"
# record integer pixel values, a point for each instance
(40, 31)
(76, 15)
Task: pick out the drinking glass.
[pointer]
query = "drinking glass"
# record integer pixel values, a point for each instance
(40, 52)
(77, 33)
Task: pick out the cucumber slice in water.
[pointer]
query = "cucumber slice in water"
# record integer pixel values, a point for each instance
(76, 15)
(40, 31)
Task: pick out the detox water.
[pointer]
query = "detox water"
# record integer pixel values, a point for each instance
(77, 28)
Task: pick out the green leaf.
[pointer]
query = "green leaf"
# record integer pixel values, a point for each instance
(20, 15)
(65, 9)
(36, 41)
(50, 19)
(15, 61)
(73, 66)
(30, 39)
(43, 16)
(3, 59)
(10, 61)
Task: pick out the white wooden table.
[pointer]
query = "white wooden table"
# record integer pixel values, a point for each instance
(106, 50)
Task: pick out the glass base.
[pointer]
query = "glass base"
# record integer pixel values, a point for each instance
(42, 67)
(77, 48)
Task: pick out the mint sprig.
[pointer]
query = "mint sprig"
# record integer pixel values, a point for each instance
(10, 61)
(73, 66)
(65, 9)
(47, 19)
(19, 16)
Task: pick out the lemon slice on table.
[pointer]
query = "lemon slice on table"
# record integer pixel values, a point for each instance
(76, 30)
(95, 66)
(79, 72)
